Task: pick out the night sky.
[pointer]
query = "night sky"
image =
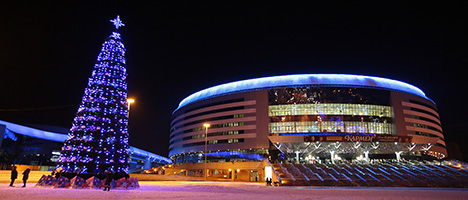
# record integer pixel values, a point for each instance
(47, 53)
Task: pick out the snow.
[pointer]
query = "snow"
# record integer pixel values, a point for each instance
(229, 190)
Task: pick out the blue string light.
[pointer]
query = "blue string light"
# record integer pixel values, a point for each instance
(98, 138)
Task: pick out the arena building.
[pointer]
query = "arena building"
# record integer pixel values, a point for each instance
(307, 117)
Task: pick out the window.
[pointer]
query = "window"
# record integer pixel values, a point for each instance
(425, 119)
(331, 109)
(422, 104)
(311, 95)
(427, 127)
(423, 111)
(229, 141)
(209, 119)
(331, 126)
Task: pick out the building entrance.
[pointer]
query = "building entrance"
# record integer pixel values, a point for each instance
(254, 176)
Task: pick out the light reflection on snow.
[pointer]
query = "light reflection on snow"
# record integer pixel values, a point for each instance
(229, 190)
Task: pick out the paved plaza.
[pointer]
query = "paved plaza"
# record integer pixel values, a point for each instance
(229, 190)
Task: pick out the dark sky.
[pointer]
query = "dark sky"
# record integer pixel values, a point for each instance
(47, 53)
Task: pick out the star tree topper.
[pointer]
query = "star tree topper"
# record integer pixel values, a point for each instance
(116, 35)
(117, 22)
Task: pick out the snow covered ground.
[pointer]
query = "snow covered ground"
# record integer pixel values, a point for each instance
(228, 190)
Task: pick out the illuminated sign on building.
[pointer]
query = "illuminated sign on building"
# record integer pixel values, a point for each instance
(358, 138)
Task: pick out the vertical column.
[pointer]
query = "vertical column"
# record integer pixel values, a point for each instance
(332, 157)
(366, 155)
(147, 164)
(398, 157)
(297, 157)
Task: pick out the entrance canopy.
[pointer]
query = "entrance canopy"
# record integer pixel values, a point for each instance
(305, 145)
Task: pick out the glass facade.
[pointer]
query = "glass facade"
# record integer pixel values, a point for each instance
(331, 127)
(331, 110)
(314, 95)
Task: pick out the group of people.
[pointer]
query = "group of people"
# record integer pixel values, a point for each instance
(268, 181)
(14, 176)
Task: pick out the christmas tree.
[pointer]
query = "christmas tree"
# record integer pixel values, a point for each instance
(98, 138)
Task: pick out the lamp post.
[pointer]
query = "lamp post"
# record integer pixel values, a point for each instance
(129, 101)
(206, 125)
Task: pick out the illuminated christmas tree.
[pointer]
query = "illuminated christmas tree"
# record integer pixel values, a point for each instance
(98, 138)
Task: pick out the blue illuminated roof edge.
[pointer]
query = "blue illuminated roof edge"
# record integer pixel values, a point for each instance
(33, 132)
(59, 137)
(149, 155)
(314, 80)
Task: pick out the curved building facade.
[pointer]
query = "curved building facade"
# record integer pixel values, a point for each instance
(307, 116)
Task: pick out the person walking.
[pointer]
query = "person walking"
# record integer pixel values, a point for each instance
(26, 176)
(14, 175)
(268, 181)
(109, 177)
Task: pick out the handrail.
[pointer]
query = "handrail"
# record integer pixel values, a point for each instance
(295, 169)
(287, 172)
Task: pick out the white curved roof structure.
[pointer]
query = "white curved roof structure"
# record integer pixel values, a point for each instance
(60, 137)
(319, 80)
(33, 132)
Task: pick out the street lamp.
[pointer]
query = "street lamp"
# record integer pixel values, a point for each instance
(129, 101)
(206, 125)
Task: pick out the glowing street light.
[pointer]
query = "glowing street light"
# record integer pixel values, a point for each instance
(129, 101)
(206, 125)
